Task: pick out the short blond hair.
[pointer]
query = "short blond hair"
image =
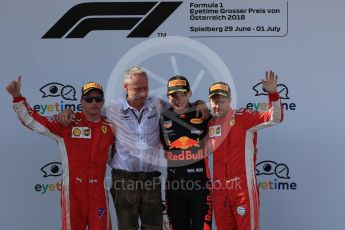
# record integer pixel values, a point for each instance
(134, 71)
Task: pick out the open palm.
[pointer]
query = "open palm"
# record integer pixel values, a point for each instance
(270, 82)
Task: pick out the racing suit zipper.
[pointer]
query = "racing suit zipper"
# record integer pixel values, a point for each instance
(226, 186)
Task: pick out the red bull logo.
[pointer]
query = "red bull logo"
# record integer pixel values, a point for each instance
(185, 155)
(184, 143)
(208, 216)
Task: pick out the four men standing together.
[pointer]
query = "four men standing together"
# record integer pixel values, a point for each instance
(144, 124)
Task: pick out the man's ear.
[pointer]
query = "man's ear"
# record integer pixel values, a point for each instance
(81, 100)
(125, 87)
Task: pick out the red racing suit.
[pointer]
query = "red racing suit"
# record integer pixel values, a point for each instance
(84, 147)
(233, 140)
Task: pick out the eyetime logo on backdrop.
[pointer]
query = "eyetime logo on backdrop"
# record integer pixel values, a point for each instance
(263, 106)
(52, 169)
(142, 18)
(57, 90)
(274, 176)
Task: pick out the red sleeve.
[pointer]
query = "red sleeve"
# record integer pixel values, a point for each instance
(257, 120)
(33, 120)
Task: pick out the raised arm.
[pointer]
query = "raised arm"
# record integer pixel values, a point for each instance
(30, 118)
(275, 114)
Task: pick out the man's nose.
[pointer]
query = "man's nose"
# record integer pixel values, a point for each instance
(142, 92)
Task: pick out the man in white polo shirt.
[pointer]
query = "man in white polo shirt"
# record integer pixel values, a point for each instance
(136, 186)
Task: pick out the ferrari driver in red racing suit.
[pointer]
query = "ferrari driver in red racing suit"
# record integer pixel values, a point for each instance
(233, 138)
(84, 147)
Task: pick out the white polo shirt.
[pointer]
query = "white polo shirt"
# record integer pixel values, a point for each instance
(137, 142)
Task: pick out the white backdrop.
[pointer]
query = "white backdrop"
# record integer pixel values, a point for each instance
(300, 162)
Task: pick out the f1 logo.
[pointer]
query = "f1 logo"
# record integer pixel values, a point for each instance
(142, 17)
